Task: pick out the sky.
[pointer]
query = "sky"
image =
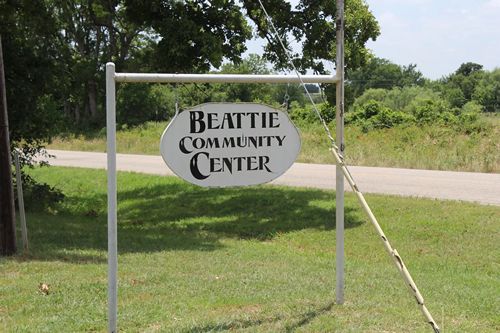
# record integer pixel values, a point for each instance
(436, 35)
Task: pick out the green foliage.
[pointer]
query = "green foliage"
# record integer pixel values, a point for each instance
(253, 64)
(313, 23)
(404, 89)
(306, 114)
(273, 94)
(191, 35)
(427, 110)
(327, 112)
(469, 120)
(383, 74)
(373, 114)
(379, 108)
(32, 73)
(34, 85)
(301, 114)
(468, 68)
(472, 108)
(138, 103)
(398, 87)
(487, 92)
(454, 96)
(62, 47)
(401, 98)
(375, 94)
(458, 88)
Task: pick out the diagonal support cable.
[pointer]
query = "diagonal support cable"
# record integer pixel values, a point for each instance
(393, 253)
(289, 58)
(339, 159)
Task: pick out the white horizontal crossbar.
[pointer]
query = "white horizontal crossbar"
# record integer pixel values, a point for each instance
(223, 78)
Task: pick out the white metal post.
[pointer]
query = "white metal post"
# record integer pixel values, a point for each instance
(339, 188)
(20, 202)
(111, 79)
(112, 215)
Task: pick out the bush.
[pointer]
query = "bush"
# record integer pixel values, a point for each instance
(469, 120)
(431, 110)
(327, 112)
(307, 115)
(379, 95)
(379, 108)
(396, 98)
(374, 114)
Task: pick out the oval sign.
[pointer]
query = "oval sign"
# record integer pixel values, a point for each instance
(230, 144)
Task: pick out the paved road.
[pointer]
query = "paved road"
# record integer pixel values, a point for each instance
(467, 186)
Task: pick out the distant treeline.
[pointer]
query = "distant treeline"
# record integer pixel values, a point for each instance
(380, 94)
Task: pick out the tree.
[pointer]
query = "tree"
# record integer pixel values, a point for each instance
(172, 36)
(381, 73)
(487, 92)
(34, 71)
(459, 87)
(253, 64)
(312, 24)
(7, 211)
(265, 93)
(468, 68)
(93, 32)
(191, 35)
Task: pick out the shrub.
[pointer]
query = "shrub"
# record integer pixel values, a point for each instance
(307, 115)
(374, 114)
(327, 112)
(379, 95)
(396, 98)
(469, 120)
(389, 108)
(430, 110)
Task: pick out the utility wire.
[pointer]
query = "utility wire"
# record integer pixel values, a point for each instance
(289, 58)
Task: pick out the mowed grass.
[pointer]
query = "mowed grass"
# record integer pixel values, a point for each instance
(256, 259)
(418, 147)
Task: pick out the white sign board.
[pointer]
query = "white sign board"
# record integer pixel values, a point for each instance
(230, 144)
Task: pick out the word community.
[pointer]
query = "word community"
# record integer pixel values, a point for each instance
(230, 120)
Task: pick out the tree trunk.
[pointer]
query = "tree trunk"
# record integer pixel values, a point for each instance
(7, 209)
(92, 99)
(77, 114)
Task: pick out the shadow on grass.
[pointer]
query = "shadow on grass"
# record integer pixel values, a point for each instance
(178, 216)
(300, 320)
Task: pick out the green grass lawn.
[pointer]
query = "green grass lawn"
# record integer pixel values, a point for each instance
(257, 259)
(419, 147)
